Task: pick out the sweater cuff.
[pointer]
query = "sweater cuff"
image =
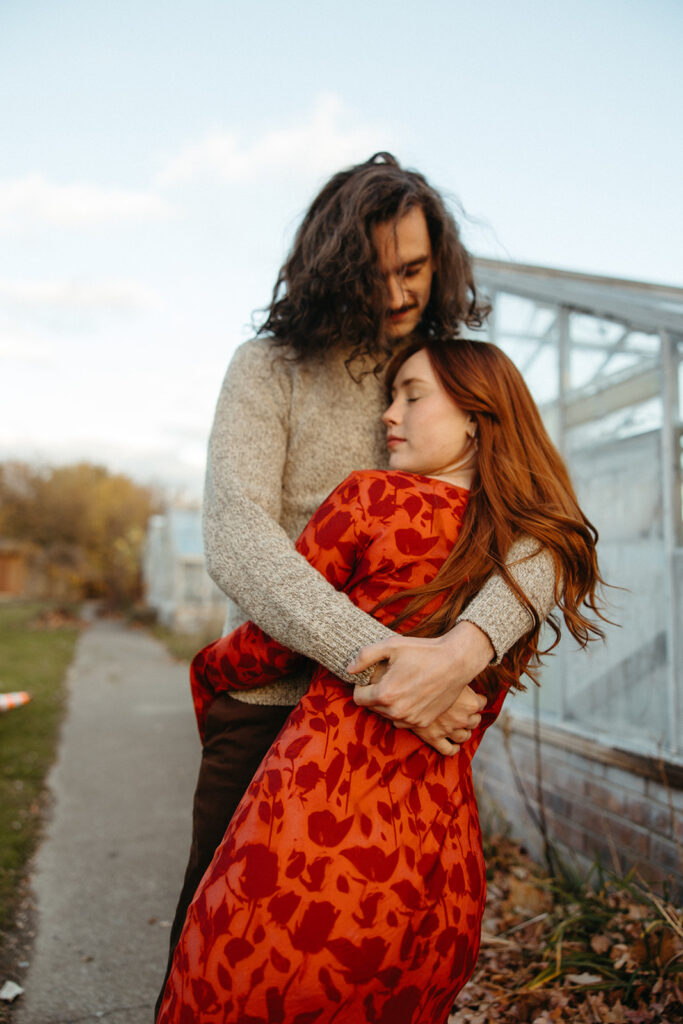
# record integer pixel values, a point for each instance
(339, 639)
(498, 614)
(496, 610)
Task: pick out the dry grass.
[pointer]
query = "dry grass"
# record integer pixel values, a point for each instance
(595, 949)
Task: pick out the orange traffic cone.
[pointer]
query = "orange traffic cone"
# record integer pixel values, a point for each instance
(13, 700)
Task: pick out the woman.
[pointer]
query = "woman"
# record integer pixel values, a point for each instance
(350, 884)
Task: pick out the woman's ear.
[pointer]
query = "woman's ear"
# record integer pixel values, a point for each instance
(471, 428)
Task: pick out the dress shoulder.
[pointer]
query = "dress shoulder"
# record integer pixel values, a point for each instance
(397, 481)
(378, 491)
(365, 477)
(363, 483)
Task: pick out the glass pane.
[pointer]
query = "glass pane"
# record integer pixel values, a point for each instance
(619, 688)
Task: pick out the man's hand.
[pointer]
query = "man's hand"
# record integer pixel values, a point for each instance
(424, 676)
(454, 726)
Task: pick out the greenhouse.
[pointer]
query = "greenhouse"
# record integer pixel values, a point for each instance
(600, 746)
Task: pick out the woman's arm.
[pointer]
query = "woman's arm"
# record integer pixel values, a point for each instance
(246, 657)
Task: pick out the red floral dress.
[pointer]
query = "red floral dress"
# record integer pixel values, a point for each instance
(350, 884)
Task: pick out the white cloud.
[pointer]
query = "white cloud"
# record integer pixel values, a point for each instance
(325, 141)
(17, 346)
(77, 295)
(35, 201)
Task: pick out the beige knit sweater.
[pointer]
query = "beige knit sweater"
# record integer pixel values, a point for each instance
(284, 435)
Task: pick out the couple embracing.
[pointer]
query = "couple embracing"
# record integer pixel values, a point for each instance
(348, 883)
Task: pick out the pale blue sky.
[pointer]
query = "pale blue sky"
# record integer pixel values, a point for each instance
(157, 155)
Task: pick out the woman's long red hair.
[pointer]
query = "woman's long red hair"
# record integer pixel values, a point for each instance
(521, 487)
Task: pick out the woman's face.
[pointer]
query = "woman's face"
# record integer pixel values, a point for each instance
(427, 432)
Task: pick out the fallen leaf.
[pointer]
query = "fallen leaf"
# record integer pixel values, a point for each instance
(600, 943)
(9, 991)
(528, 897)
(584, 978)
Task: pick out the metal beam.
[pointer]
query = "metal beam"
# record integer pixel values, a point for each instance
(639, 387)
(581, 344)
(563, 387)
(671, 501)
(618, 346)
(642, 306)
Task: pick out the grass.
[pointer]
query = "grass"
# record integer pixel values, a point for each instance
(32, 658)
(184, 646)
(567, 949)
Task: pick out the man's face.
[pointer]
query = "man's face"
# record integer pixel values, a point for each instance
(404, 254)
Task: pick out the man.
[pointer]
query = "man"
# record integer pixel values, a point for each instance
(377, 260)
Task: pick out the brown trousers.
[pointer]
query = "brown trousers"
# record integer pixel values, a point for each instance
(236, 740)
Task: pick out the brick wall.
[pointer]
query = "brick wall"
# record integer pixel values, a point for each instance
(624, 808)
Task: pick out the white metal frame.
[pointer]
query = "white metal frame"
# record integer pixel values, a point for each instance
(636, 357)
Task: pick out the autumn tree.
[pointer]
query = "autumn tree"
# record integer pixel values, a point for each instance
(89, 524)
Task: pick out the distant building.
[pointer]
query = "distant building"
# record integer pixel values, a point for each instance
(176, 584)
(25, 572)
(14, 568)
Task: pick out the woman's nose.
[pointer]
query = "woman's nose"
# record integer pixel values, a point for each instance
(390, 415)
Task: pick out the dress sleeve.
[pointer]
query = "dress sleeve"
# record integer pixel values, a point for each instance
(333, 540)
(248, 554)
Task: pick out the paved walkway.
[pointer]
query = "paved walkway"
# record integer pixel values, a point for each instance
(108, 873)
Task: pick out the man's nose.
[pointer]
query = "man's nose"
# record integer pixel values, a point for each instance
(396, 292)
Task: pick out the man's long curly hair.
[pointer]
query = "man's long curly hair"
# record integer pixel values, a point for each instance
(521, 487)
(329, 292)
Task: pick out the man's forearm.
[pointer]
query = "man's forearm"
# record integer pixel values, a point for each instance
(253, 561)
(248, 554)
(497, 611)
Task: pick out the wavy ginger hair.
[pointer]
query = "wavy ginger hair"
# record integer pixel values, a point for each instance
(521, 487)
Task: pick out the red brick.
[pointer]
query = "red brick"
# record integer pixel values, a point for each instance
(667, 856)
(643, 812)
(572, 835)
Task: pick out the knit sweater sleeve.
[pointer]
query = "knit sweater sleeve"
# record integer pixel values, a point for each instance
(248, 554)
(247, 657)
(496, 610)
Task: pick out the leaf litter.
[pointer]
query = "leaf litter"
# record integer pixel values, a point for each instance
(595, 948)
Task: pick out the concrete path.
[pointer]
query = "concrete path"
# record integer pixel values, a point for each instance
(108, 873)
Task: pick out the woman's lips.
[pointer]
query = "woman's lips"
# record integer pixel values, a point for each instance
(393, 441)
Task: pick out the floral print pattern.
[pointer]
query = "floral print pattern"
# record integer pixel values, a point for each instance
(350, 884)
